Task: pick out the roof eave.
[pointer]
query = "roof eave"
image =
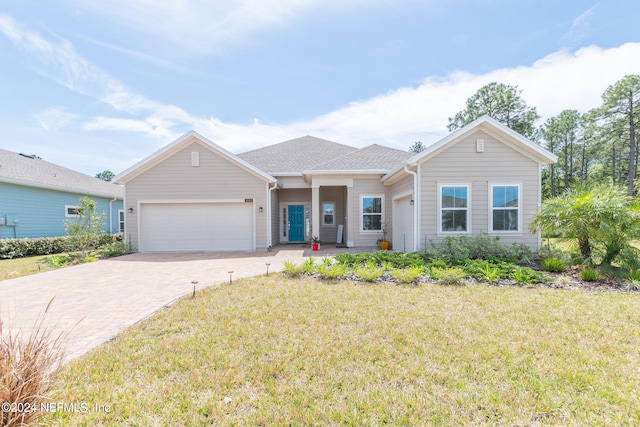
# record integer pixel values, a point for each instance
(59, 188)
(276, 174)
(165, 152)
(541, 155)
(347, 172)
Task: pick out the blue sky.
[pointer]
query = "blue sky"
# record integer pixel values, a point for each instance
(99, 85)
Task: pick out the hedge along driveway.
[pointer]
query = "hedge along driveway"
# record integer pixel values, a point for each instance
(93, 302)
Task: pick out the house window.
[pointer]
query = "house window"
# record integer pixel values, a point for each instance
(505, 207)
(328, 213)
(121, 221)
(371, 213)
(71, 211)
(454, 208)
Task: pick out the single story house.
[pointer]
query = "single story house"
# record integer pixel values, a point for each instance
(193, 195)
(37, 197)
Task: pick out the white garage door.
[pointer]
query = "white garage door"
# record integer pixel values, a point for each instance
(192, 227)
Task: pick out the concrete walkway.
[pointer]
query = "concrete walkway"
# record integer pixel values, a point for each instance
(93, 302)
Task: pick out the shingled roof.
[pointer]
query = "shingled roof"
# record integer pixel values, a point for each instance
(295, 155)
(372, 158)
(33, 172)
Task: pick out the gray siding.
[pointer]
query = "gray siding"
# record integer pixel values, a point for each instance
(295, 195)
(215, 179)
(328, 233)
(404, 186)
(460, 164)
(275, 218)
(369, 187)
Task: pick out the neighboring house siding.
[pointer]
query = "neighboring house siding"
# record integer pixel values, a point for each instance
(369, 187)
(461, 164)
(215, 179)
(41, 212)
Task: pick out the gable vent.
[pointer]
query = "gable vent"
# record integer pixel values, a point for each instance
(479, 145)
(195, 158)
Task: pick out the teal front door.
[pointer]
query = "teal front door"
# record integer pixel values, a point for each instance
(296, 223)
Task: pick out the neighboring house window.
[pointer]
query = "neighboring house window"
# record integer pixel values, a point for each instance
(371, 213)
(328, 213)
(454, 208)
(121, 221)
(71, 211)
(505, 207)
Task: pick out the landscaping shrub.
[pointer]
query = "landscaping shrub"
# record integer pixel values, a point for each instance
(331, 271)
(60, 260)
(490, 273)
(588, 274)
(290, 268)
(368, 273)
(480, 269)
(308, 266)
(553, 265)
(457, 249)
(447, 276)
(14, 248)
(632, 285)
(114, 249)
(526, 276)
(388, 259)
(407, 274)
(439, 263)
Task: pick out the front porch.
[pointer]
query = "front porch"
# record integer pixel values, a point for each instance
(304, 213)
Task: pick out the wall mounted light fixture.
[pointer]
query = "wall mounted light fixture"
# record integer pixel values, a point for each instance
(260, 209)
(130, 210)
(411, 202)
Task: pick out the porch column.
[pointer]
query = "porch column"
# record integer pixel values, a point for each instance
(315, 211)
(349, 219)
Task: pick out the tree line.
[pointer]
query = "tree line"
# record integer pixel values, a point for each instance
(596, 147)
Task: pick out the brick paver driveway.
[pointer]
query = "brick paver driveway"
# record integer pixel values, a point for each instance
(95, 301)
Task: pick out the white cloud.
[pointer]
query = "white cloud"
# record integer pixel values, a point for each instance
(561, 80)
(205, 26)
(579, 28)
(55, 119)
(197, 25)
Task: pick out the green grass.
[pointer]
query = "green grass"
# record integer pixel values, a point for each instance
(18, 267)
(280, 351)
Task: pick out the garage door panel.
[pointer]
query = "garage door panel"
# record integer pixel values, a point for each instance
(169, 227)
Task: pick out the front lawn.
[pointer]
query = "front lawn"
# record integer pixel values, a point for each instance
(18, 267)
(281, 351)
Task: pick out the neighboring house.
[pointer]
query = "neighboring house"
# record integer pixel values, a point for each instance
(37, 197)
(193, 195)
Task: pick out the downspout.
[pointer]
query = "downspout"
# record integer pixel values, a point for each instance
(111, 215)
(269, 231)
(416, 210)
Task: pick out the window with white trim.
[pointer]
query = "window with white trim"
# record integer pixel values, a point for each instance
(328, 213)
(454, 208)
(371, 208)
(505, 208)
(71, 211)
